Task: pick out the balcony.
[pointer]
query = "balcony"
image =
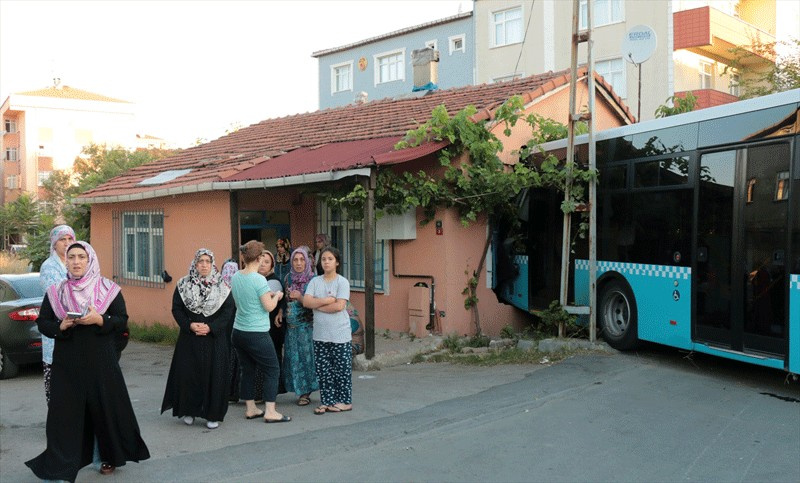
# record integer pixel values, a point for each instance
(711, 33)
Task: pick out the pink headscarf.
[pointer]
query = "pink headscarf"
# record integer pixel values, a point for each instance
(57, 232)
(298, 280)
(77, 294)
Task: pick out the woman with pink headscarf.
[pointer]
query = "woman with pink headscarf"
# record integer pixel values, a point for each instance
(89, 398)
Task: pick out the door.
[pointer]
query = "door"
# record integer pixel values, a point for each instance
(741, 239)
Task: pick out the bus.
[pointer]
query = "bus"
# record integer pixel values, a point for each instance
(698, 234)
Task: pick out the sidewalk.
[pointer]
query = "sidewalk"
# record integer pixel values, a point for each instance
(395, 348)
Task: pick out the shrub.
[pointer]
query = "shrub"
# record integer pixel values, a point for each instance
(155, 333)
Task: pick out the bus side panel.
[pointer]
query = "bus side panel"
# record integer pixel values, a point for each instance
(662, 294)
(515, 290)
(794, 324)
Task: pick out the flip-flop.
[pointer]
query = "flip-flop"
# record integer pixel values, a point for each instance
(303, 401)
(254, 416)
(342, 410)
(333, 409)
(284, 419)
(320, 410)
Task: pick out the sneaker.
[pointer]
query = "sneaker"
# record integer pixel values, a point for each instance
(188, 420)
(212, 425)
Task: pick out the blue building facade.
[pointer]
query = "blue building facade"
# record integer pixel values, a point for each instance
(381, 66)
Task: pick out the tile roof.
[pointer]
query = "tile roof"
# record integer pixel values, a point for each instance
(224, 157)
(441, 21)
(67, 92)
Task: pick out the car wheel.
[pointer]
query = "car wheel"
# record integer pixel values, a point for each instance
(618, 315)
(7, 368)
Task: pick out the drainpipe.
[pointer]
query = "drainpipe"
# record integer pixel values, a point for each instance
(432, 305)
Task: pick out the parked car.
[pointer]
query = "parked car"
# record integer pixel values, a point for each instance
(20, 340)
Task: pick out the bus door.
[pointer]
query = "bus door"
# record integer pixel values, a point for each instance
(740, 249)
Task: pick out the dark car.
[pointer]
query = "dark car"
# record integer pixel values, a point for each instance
(20, 341)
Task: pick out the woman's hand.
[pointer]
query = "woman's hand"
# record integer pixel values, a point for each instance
(66, 324)
(92, 317)
(199, 328)
(295, 295)
(279, 318)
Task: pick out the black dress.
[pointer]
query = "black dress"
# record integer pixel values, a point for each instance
(88, 398)
(198, 377)
(277, 334)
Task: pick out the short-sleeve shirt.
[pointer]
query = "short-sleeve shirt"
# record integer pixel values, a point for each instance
(330, 327)
(247, 289)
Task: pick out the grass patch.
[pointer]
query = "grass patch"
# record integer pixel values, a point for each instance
(156, 333)
(499, 357)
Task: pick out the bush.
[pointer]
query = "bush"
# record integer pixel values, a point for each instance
(155, 333)
(12, 263)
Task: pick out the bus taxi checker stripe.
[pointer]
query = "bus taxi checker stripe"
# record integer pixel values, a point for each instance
(795, 282)
(647, 270)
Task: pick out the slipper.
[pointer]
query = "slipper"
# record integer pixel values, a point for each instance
(320, 410)
(341, 409)
(303, 401)
(332, 409)
(254, 416)
(284, 419)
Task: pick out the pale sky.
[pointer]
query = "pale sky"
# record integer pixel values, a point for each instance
(193, 68)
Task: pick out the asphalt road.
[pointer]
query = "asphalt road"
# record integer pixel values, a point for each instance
(654, 415)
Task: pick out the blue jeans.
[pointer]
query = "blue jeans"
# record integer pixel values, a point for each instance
(255, 349)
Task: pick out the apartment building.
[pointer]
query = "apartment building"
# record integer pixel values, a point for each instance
(381, 67)
(46, 129)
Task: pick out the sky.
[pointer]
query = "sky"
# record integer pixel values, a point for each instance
(194, 69)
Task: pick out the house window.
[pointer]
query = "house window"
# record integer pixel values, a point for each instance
(613, 71)
(43, 176)
(457, 44)
(390, 66)
(139, 260)
(706, 75)
(507, 27)
(605, 12)
(12, 182)
(733, 85)
(11, 126)
(342, 77)
(11, 154)
(782, 186)
(348, 236)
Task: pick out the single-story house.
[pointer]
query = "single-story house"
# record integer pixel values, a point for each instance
(260, 182)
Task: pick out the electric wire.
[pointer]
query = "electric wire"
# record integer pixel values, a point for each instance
(524, 39)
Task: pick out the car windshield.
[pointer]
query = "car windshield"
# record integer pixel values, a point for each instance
(27, 287)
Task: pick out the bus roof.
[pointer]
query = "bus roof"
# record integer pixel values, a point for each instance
(725, 110)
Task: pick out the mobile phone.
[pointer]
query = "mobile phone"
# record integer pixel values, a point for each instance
(74, 315)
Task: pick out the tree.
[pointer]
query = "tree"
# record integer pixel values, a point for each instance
(24, 218)
(96, 165)
(781, 76)
(679, 105)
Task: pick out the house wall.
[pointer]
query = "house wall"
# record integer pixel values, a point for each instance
(455, 69)
(191, 221)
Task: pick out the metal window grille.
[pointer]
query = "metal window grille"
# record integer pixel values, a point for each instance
(138, 246)
(348, 236)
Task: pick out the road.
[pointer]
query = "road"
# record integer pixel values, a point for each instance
(654, 415)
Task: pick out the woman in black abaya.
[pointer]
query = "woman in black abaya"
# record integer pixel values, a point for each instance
(198, 378)
(88, 396)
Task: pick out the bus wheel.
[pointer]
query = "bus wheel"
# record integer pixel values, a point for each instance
(617, 312)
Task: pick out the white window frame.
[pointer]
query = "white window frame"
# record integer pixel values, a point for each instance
(329, 221)
(12, 154)
(452, 40)
(335, 77)
(148, 263)
(12, 182)
(400, 68)
(706, 77)
(432, 44)
(608, 6)
(493, 24)
(42, 176)
(734, 84)
(10, 126)
(621, 89)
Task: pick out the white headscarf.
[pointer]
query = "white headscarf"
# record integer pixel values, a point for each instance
(203, 295)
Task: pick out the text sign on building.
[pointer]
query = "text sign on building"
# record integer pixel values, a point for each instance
(638, 44)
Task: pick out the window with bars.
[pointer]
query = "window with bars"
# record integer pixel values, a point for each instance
(139, 248)
(348, 237)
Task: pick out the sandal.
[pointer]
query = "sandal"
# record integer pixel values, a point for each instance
(343, 407)
(320, 410)
(304, 401)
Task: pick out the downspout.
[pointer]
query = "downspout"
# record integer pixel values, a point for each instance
(432, 306)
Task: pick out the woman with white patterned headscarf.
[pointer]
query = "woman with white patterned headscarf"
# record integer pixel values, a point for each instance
(198, 378)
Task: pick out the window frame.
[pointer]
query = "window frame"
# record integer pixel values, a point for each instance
(582, 8)
(10, 126)
(335, 77)
(42, 176)
(401, 70)
(493, 23)
(12, 182)
(12, 152)
(706, 78)
(154, 250)
(622, 93)
(451, 41)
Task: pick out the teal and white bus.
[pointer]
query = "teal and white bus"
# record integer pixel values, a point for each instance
(698, 234)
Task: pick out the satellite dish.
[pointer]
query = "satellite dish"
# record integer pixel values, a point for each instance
(638, 44)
